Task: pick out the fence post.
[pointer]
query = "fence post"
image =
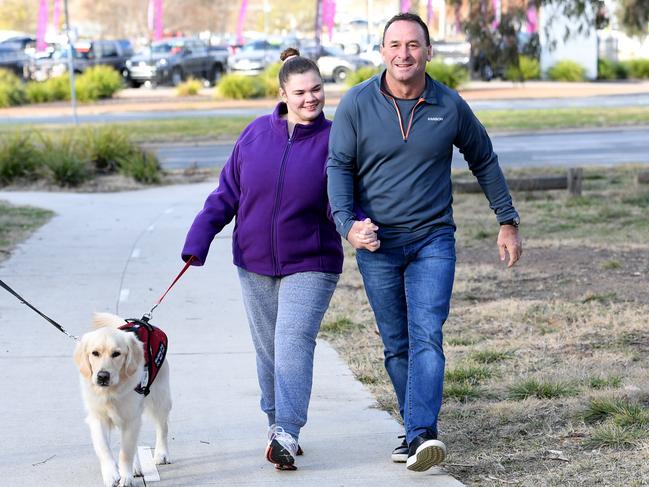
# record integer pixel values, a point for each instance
(575, 176)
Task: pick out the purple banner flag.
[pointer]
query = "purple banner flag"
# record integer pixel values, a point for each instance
(329, 16)
(532, 18)
(429, 12)
(405, 5)
(241, 21)
(41, 27)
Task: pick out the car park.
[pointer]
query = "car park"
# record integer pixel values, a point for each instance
(174, 60)
(334, 64)
(253, 57)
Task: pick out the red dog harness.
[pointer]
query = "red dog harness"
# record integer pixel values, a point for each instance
(154, 341)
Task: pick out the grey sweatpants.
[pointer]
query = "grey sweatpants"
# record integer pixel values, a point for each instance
(284, 314)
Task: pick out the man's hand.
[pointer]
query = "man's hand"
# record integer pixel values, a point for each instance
(363, 235)
(509, 242)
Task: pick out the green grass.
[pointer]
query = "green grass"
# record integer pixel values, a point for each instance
(605, 382)
(468, 374)
(228, 128)
(489, 356)
(338, 326)
(541, 389)
(461, 391)
(18, 221)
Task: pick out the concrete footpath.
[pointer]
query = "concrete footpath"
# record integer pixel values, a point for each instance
(120, 251)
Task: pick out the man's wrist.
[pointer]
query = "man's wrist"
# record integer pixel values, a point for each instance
(514, 222)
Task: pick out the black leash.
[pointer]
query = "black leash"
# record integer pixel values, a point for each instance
(50, 320)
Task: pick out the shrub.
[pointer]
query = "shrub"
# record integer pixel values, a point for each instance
(361, 75)
(270, 79)
(64, 161)
(567, 71)
(451, 75)
(12, 91)
(528, 68)
(37, 92)
(19, 158)
(239, 87)
(54, 89)
(107, 148)
(190, 87)
(97, 82)
(607, 70)
(638, 68)
(143, 166)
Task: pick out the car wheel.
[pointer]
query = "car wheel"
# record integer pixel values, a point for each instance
(215, 75)
(341, 75)
(134, 83)
(176, 76)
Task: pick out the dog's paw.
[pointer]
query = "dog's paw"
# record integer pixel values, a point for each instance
(110, 475)
(127, 481)
(161, 458)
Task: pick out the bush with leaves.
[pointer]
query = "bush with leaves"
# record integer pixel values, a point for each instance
(567, 71)
(98, 82)
(190, 87)
(638, 68)
(452, 75)
(528, 68)
(65, 161)
(239, 87)
(54, 89)
(12, 91)
(19, 158)
(107, 147)
(611, 70)
(270, 79)
(361, 74)
(143, 166)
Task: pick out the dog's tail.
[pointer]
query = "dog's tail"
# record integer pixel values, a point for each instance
(100, 320)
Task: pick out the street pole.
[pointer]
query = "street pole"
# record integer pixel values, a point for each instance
(73, 93)
(318, 27)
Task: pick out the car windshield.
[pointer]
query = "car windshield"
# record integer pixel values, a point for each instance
(166, 47)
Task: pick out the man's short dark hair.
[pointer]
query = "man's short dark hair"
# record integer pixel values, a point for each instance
(408, 17)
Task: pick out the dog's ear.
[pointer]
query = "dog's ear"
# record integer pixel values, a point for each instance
(135, 355)
(81, 359)
(100, 320)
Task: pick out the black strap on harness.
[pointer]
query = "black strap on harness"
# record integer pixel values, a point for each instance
(154, 341)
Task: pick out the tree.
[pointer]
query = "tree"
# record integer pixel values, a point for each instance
(634, 15)
(18, 15)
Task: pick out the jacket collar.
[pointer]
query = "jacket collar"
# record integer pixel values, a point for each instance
(430, 91)
(300, 131)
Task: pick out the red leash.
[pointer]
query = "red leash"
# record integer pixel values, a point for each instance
(184, 269)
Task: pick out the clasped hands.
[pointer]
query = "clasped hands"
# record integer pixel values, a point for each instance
(363, 235)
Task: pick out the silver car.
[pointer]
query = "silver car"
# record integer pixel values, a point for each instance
(335, 65)
(252, 58)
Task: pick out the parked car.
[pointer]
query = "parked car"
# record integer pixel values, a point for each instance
(85, 54)
(334, 64)
(13, 56)
(252, 58)
(174, 60)
(451, 52)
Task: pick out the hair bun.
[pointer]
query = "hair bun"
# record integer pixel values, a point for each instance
(289, 52)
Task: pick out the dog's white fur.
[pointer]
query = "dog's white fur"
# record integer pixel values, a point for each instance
(116, 404)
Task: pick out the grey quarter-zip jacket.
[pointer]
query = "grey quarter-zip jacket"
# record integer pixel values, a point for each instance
(396, 169)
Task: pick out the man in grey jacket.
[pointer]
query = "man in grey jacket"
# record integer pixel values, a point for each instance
(389, 184)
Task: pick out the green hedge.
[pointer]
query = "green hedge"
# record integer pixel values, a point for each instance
(567, 71)
(361, 75)
(12, 91)
(611, 70)
(74, 157)
(240, 87)
(528, 68)
(638, 68)
(451, 75)
(190, 87)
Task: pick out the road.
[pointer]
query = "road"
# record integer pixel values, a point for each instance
(476, 105)
(565, 149)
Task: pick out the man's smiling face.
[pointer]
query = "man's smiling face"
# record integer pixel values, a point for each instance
(405, 52)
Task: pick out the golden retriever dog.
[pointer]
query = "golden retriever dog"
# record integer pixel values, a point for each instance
(111, 363)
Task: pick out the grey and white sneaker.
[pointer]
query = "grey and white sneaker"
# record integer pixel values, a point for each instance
(400, 453)
(282, 449)
(271, 432)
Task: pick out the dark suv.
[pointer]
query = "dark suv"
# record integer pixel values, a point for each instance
(112, 53)
(174, 60)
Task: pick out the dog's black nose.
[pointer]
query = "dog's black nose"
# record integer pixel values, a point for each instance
(103, 378)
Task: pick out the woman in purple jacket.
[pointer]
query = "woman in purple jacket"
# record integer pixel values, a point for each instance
(285, 245)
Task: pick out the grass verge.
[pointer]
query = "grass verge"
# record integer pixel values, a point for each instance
(17, 223)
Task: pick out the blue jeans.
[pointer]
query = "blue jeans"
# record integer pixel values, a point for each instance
(284, 314)
(409, 288)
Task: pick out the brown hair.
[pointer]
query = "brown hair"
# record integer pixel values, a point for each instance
(407, 16)
(293, 63)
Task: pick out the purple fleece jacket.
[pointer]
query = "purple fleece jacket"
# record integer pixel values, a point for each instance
(277, 189)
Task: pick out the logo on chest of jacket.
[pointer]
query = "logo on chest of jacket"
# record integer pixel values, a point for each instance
(435, 119)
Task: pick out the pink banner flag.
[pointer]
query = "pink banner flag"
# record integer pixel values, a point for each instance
(496, 6)
(329, 16)
(429, 12)
(56, 16)
(241, 21)
(41, 27)
(158, 25)
(405, 5)
(532, 19)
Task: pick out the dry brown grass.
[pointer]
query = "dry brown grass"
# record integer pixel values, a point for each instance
(566, 326)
